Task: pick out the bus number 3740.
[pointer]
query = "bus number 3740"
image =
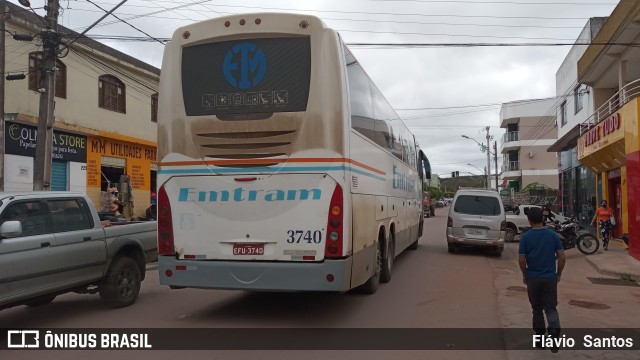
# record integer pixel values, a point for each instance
(310, 236)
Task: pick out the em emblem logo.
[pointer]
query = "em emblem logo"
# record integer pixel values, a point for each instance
(244, 65)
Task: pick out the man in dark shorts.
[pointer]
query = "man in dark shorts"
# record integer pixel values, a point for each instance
(538, 250)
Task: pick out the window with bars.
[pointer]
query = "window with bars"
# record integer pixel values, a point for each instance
(36, 81)
(111, 94)
(154, 108)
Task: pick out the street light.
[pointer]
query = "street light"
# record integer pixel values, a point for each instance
(481, 172)
(474, 176)
(482, 146)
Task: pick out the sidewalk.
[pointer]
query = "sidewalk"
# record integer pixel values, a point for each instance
(615, 262)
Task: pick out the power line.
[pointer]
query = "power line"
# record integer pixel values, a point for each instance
(511, 44)
(498, 2)
(367, 20)
(155, 12)
(452, 35)
(115, 16)
(468, 106)
(353, 12)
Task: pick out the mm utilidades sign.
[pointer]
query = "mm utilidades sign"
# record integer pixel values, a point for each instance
(21, 139)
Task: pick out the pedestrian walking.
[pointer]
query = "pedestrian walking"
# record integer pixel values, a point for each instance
(605, 215)
(539, 248)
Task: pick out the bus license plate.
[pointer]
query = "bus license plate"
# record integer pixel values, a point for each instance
(248, 249)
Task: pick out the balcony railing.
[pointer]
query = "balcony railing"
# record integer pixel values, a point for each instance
(510, 136)
(618, 100)
(511, 166)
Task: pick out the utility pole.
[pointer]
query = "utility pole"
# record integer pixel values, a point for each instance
(2, 69)
(488, 159)
(42, 171)
(495, 159)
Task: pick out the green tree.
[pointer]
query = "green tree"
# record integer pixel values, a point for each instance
(435, 192)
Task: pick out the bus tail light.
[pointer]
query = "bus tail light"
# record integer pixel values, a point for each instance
(335, 240)
(449, 222)
(165, 225)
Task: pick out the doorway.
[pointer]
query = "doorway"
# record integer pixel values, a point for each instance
(615, 200)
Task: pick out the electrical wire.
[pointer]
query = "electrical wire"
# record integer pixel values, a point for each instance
(499, 2)
(116, 16)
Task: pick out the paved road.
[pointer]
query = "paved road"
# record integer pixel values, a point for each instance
(430, 288)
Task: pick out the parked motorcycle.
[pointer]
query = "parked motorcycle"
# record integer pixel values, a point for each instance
(571, 236)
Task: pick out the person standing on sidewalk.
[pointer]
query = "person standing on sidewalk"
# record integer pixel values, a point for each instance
(603, 213)
(538, 250)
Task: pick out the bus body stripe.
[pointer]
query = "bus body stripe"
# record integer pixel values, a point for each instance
(269, 170)
(271, 161)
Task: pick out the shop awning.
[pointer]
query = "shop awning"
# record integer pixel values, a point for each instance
(605, 159)
(566, 142)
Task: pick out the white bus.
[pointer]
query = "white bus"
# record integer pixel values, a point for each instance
(283, 168)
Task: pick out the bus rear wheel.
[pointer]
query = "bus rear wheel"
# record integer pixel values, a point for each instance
(387, 262)
(371, 286)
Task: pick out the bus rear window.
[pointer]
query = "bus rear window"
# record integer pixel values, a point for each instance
(477, 205)
(247, 76)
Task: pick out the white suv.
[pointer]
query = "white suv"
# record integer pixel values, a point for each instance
(476, 219)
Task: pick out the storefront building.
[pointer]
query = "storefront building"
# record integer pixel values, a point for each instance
(611, 148)
(82, 161)
(110, 156)
(105, 117)
(577, 188)
(609, 143)
(68, 165)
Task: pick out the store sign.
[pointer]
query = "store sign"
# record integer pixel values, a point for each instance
(113, 148)
(604, 128)
(21, 139)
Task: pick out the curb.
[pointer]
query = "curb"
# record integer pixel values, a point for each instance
(619, 264)
(152, 266)
(611, 272)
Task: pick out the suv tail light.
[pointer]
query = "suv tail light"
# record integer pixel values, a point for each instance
(334, 242)
(503, 226)
(449, 222)
(165, 224)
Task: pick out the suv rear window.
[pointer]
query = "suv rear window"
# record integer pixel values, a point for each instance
(477, 205)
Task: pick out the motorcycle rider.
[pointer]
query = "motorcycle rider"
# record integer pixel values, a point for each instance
(547, 215)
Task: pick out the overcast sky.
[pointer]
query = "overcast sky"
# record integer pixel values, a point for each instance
(432, 88)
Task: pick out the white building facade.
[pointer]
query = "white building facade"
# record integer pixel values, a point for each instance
(577, 182)
(530, 130)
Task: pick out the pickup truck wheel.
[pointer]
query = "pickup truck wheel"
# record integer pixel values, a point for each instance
(509, 234)
(41, 301)
(122, 284)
